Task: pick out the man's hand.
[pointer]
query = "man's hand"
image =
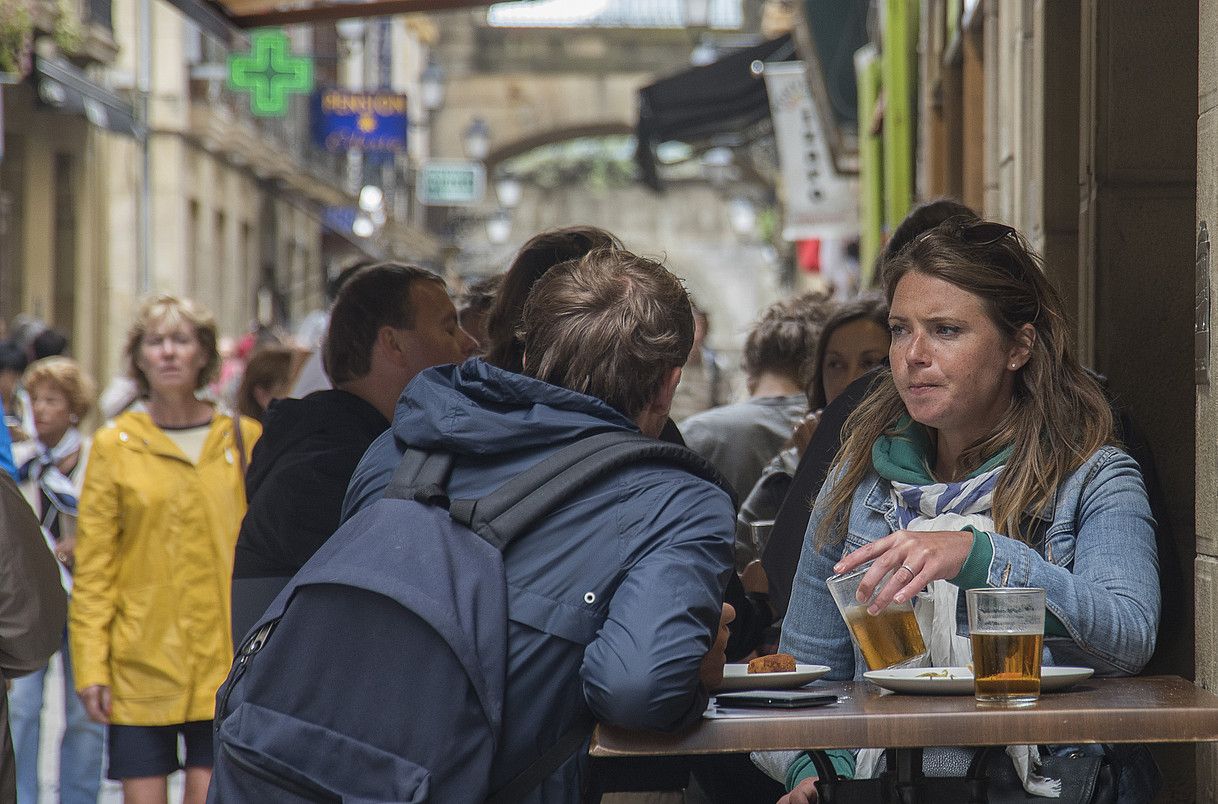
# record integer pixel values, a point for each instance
(711, 672)
(97, 703)
(803, 793)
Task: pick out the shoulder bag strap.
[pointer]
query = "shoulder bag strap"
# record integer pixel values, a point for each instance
(239, 438)
(541, 768)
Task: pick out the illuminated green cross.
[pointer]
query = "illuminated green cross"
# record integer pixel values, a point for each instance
(269, 72)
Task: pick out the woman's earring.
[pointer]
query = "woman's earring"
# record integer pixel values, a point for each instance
(74, 419)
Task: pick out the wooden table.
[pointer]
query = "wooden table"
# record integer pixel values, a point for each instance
(1152, 709)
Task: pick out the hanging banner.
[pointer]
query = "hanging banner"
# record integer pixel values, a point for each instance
(819, 202)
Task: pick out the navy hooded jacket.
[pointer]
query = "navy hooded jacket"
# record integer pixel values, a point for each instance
(612, 602)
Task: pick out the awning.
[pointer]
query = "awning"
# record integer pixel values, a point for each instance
(62, 87)
(223, 18)
(723, 97)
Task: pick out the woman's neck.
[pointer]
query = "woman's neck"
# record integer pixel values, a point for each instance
(50, 440)
(177, 410)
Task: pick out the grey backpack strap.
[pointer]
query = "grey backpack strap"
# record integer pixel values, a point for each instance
(421, 476)
(518, 504)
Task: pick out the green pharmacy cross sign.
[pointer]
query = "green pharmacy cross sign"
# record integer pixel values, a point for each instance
(269, 73)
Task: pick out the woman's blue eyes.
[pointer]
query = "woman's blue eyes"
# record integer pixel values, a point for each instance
(942, 329)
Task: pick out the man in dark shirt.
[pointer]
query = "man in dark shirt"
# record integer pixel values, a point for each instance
(390, 322)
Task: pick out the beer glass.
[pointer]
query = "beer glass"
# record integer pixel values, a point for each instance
(1007, 630)
(891, 638)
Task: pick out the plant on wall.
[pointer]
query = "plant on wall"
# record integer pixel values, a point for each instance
(16, 35)
(68, 31)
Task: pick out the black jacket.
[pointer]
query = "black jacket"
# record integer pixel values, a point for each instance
(297, 479)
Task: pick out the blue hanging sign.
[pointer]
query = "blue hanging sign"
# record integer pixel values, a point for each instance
(373, 122)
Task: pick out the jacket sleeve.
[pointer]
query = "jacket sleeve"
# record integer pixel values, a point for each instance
(813, 630)
(641, 670)
(32, 602)
(1100, 573)
(93, 598)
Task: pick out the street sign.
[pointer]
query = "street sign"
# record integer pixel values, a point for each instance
(451, 183)
(269, 73)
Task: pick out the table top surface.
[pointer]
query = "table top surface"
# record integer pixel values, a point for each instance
(1151, 709)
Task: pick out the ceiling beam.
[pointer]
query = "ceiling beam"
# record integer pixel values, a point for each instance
(324, 12)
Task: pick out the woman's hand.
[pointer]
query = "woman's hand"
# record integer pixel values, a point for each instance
(97, 703)
(65, 551)
(711, 671)
(802, 793)
(915, 557)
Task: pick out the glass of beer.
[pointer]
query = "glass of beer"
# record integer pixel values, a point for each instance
(1007, 630)
(891, 638)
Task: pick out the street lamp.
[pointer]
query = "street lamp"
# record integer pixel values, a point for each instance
(477, 139)
(509, 190)
(498, 228)
(431, 87)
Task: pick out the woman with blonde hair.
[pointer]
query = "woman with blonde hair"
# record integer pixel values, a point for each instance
(162, 502)
(52, 469)
(984, 456)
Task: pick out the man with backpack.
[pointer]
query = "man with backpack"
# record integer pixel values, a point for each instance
(613, 564)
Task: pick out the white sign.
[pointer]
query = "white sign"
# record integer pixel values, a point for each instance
(451, 183)
(819, 201)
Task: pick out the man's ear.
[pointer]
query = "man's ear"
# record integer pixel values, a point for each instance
(661, 403)
(388, 343)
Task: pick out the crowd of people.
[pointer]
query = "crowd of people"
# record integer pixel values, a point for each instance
(940, 428)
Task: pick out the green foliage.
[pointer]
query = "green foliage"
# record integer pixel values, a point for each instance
(68, 31)
(16, 32)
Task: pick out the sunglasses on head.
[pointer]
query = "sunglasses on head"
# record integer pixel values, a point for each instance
(978, 233)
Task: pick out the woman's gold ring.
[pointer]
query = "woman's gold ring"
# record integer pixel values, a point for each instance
(907, 569)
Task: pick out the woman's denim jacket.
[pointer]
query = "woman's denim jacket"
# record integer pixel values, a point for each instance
(1094, 556)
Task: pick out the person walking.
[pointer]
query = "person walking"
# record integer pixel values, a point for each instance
(162, 501)
(52, 471)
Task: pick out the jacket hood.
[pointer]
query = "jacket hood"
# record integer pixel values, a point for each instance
(477, 409)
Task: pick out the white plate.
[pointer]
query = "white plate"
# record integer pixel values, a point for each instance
(959, 680)
(738, 677)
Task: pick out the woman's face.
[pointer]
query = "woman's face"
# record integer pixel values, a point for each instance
(953, 368)
(52, 412)
(171, 357)
(853, 349)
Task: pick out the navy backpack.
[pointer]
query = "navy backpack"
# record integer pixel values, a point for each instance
(417, 582)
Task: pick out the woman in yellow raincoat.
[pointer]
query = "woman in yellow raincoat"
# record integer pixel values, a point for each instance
(159, 513)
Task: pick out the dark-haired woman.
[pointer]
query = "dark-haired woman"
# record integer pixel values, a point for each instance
(983, 457)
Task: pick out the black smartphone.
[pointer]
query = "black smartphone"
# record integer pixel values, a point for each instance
(776, 699)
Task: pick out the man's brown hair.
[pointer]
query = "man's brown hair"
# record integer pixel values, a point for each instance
(375, 296)
(609, 325)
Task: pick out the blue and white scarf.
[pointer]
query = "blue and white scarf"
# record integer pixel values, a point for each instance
(59, 488)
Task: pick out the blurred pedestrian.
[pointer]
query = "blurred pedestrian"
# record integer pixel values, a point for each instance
(268, 375)
(475, 306)
(61, 394)
(17, 414)
(541, 253)
(854, 341)
(390, 322)
(162, 501)
(31, 608)
(741, 439)
(704, 384)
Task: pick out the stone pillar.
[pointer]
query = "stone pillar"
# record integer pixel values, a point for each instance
(1207, 395)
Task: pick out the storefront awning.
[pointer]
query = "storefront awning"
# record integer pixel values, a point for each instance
(62, 87)
(723, 97)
